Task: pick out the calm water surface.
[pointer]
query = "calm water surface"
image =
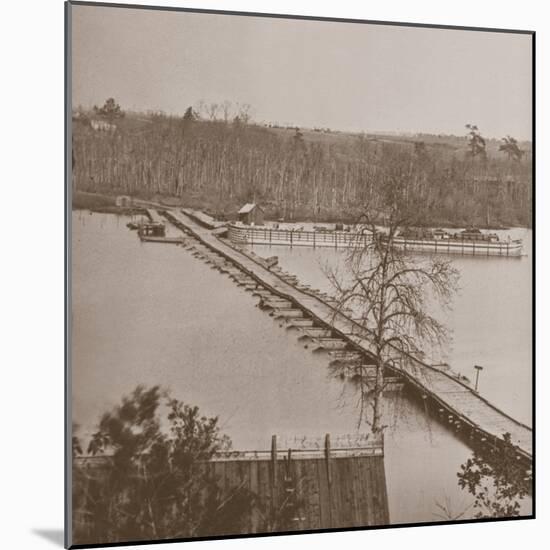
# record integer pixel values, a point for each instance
(153, 314)
(490, 320)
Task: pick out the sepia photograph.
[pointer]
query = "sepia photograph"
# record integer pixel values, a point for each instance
(300, 274)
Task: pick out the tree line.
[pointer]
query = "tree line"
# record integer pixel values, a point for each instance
(220, 159)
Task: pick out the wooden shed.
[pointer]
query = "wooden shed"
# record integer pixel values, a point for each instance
(251, 214)
(123, 201)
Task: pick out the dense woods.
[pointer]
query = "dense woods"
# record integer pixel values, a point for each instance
(219, 163)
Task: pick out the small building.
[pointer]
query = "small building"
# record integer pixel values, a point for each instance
(440, 234)
(251, 214)
(123, 201)
(151, 229)
(102, 126)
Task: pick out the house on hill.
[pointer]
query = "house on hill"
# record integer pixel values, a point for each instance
(102, 126)
(251, 214)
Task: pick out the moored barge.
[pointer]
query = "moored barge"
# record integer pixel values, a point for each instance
(263, 234)
(469, 242)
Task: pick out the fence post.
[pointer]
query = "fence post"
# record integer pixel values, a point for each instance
(329, 477)
(274, 488)
(327, 457)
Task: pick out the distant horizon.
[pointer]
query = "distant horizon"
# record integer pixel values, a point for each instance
(345, 76)
(290, 125)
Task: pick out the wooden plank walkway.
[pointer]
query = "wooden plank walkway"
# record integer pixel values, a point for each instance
(154, 216)
(165, 240)
(203, 219)
(458, 399)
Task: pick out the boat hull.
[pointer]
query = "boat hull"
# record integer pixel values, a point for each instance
(286, 237)
(343, 239)
(462, 248)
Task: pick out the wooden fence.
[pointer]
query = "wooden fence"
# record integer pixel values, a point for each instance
(292, 490)
(309, 492)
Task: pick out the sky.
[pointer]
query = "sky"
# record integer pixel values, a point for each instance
(345, 76)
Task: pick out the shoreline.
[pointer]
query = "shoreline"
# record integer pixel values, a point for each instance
(106, 204)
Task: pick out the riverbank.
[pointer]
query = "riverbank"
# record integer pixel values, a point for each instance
(106, 204)
(328, 181)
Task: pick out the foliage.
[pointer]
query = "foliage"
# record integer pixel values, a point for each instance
(476, 143)
(156, 485)
(75, 442)
(220, 163)
(111, 110)
(511, 148)
(498, 479)
(189, 115)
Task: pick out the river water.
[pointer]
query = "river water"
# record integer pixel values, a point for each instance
(145, 313)
(490, 319)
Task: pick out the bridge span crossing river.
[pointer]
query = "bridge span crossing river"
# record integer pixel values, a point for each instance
(154, 314)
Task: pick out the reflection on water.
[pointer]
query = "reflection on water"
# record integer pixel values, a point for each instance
(153, 314)
(490, 320)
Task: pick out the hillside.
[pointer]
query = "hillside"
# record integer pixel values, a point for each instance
(296, 174)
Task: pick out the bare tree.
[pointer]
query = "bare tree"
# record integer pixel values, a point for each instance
(226, 109)
(213, 109)
(244, 112)
(200, 109)
(387, 287)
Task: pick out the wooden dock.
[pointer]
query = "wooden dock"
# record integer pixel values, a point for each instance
(154, 216)
(154, 231)
(203, 219)
(165, 240)
(458, 404)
